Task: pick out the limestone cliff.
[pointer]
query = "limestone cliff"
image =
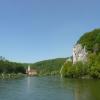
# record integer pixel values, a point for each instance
(79, 53)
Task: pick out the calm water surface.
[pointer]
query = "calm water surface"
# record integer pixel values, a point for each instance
(49, 88)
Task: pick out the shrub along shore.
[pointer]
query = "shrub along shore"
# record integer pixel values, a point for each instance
(11, 70)
(11, 76)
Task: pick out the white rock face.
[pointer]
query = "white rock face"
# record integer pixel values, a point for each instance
(79, 54)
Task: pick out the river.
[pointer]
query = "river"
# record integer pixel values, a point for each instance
(49, 88)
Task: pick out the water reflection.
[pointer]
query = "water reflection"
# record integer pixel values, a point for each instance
(83, 89)
(49, 88)
(28, 83)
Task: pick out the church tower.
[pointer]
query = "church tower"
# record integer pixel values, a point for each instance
(29, 69)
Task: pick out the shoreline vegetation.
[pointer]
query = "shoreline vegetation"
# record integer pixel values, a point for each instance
(11, 70)
(79, 70)
(11, 76)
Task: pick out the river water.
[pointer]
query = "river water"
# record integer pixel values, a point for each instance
(49, 88)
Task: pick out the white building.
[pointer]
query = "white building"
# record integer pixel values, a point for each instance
(31, 72)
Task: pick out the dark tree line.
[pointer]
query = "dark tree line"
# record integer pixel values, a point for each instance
(11, 67)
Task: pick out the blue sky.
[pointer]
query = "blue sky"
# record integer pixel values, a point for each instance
(34, 30)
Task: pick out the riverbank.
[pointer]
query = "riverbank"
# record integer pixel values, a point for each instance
(11, 76)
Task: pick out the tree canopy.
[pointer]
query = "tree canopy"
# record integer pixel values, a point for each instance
(49, 67)
(91, 40)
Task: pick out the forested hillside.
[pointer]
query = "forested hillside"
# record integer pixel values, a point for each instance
(91, 40)
(49, 67)
(10, 67)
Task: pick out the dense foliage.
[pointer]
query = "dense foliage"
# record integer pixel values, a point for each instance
(90, 69)
(49, 67)
(91, 40)
(11, 67)
(77, 70)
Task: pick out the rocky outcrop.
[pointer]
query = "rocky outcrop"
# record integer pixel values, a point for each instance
(79, 53)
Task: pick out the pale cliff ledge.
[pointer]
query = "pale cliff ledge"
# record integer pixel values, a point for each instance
(79, 53)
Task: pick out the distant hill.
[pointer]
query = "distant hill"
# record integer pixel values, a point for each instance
(48, 67)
